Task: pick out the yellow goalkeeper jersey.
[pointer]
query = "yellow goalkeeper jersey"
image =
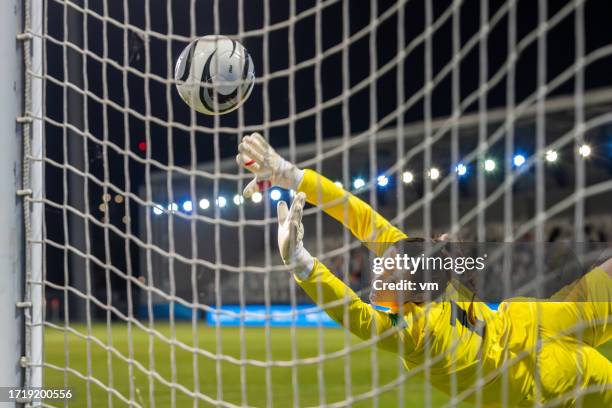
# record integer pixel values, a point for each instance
(468, 345)
(464, 338)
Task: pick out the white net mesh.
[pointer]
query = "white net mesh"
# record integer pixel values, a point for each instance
(163, 286)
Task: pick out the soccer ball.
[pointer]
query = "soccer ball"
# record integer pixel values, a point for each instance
(214, 75)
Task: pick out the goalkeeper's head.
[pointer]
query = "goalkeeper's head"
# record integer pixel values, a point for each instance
(419, 263)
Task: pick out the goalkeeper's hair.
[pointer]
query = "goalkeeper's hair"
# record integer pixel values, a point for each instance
(442, 248)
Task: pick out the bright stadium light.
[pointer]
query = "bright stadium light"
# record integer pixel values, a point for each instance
(461, 169)
(358, 183)
(204, 204)
(434, 173)
(238, 199)
(489, 165)
(291, 193)
(158, 209)
(407, 177)
(552, 156)
(339, 184)
(518, 160)
(187, 206)
(382, 181)
(173, 207)
(275, 194)
(256, 197)
(584, 150)
(221, 201)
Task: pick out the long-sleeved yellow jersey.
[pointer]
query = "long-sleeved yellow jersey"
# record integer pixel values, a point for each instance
(462, 339)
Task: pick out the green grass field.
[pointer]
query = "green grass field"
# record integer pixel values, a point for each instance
(70, 350)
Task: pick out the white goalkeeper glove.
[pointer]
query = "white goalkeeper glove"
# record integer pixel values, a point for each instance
(290, 235)
(257, 156)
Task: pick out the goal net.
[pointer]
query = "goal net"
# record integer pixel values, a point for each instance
(153, 282)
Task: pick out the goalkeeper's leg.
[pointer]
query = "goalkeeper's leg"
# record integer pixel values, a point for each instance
(584, 311)
(574, 374)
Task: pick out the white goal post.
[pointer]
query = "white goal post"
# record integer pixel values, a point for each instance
(136, 274)
(11, 216)
(23, 285)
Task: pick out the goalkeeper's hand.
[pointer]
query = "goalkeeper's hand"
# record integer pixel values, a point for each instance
(269, 168)
(290, 235)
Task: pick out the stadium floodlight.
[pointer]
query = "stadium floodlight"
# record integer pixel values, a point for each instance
(173, 207)
(187, 206)
(221, 202)
(204, 204)
(291, 193)
(238, 199)
(339, 184)
(358, 183)
(434, 173)
(461, 169)
(490, 165)
(518, 160)
(382, 181)
(275, 194)
(407, 177)
(584, 150)
(257, 197)
(551, 156)
(158, 209)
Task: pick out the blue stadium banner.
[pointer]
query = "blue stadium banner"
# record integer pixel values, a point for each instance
(161, 311)
(274, 315)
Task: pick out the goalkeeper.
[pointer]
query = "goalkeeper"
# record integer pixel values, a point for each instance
(462, 337)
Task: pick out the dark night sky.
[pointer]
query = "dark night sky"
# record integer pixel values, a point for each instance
(560, 55)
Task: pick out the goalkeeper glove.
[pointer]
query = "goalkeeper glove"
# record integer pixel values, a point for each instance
(290, 235)
(269, 168)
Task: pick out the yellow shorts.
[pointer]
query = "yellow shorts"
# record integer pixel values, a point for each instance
(580, 311)
(574, 374)
(572, 371)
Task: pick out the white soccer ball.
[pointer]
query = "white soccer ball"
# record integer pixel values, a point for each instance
(214, 74)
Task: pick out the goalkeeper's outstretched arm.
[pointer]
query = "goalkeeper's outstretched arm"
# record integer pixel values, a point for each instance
(257, 156)
(328, 291)
(366, 224)
(362, 319)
